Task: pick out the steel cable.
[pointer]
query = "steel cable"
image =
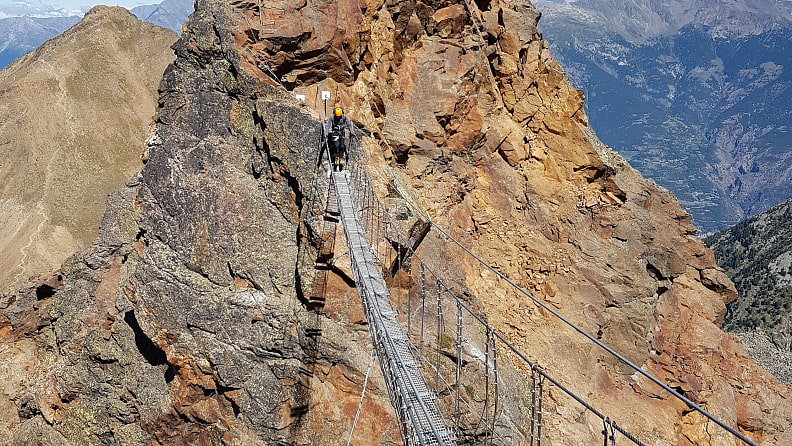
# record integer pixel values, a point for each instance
(609, 350)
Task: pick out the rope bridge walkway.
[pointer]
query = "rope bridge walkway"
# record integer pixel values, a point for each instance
(442, 362)
(416, 404)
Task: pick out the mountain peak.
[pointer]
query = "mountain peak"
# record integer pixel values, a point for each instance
(104, 10)
(59, 161)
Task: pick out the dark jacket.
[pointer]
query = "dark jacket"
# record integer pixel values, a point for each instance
(336, 124)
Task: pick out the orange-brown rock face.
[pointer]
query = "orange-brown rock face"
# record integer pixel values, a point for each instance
(466, 101)
(197, 316)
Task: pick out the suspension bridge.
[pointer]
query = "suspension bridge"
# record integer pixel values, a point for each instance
(438, 355)
(442, 362)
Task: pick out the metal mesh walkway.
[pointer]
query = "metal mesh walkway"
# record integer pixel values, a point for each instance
(416, 405)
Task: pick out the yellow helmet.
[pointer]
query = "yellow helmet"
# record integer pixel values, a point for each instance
(338, 111)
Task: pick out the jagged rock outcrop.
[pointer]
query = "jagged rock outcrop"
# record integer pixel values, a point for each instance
(73, 115)
(187, 320)
(210, 225)
(493, 141)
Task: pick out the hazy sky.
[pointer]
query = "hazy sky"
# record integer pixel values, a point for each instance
(17, 6)
(79, 4)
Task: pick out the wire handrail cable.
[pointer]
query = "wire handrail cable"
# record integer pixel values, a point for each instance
(361, 175)
(534, 367)
(599, 343)
(362, 395)
(408, 396)
(608, 422)
(626, 361)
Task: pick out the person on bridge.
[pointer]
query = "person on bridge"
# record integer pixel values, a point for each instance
(334, 134)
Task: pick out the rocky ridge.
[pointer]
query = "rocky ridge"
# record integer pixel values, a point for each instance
(196, 283)
(73, 115)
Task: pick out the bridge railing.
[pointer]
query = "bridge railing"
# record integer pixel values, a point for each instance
(465, 360)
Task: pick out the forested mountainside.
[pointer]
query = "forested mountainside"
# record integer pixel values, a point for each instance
(73, 114)
(757, 255)
(189, 319)
(694, 94)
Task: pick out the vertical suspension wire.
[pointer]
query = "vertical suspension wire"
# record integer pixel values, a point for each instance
(361, 183)
(537, 395)
(366, 208)
(387, 232)
(496, 385)
(378, 229)
(373, 217)
(608, 432)
(533, 407)
(377, 224)
(363, 200)
(388, 235)
(483, 417)
(540, 391)
(370, 209)
(260, 13)
(384, 232)
(383, 235)
(439, 338)
(388, 246)
(485, 412)
(362, 196)
(423, 305)
(375, 227)
(353, 178)
(410, 282)
(399, 274)
(458, 385)
(359, 172)
(362, 395)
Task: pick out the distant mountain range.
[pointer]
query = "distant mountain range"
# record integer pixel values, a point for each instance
(695, 94)
(19, 35)
(31, 25)
(38, 9)
(169, 14)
